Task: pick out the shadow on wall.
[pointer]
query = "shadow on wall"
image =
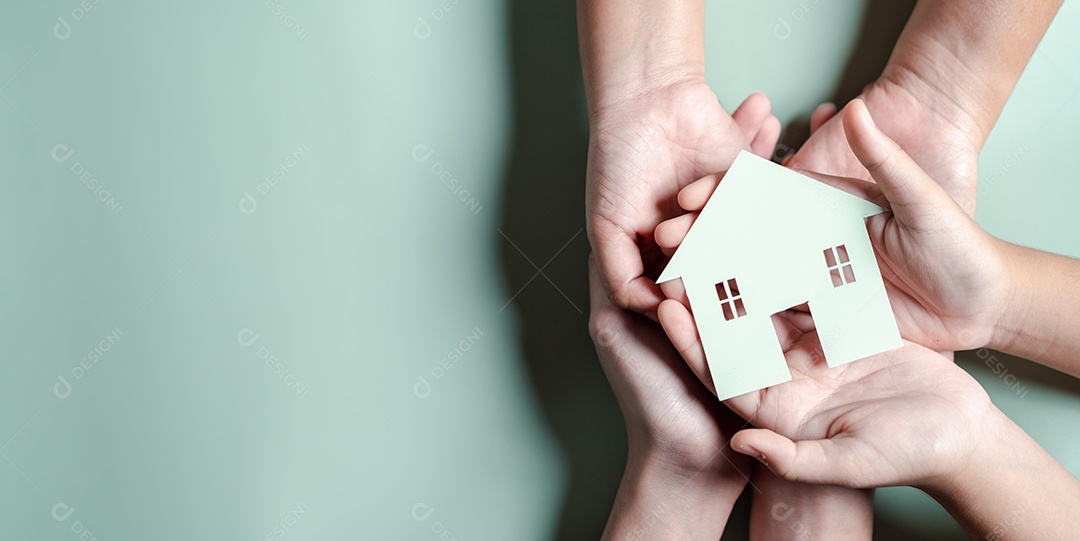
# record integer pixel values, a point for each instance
(543, 249)
(543, 227)
(882, 23)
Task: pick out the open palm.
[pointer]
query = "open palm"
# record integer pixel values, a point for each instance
(895, 418)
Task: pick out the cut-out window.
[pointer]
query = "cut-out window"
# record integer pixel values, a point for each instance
(730, 299)
(839, 266)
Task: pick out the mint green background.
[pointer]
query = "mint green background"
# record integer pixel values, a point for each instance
(361, 270)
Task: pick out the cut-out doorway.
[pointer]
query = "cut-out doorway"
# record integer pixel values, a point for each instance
(795, 327)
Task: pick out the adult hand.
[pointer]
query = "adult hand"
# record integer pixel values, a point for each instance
(943, 140)
(642, 151)
(946, 278)
(942, 91)
(681, 477)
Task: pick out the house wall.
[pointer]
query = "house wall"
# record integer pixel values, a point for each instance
(744, 353)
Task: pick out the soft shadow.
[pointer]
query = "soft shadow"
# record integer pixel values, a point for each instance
(543, 209)
(882, 23)
(542, 226)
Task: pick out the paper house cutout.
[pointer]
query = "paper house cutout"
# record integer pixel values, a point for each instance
(770, 239)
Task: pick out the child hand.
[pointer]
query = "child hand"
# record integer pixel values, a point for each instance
(945, 276)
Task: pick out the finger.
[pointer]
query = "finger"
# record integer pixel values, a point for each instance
(674, 290)
(765, 142)
(810, 461)
(622, 269)
(902, 181)
(679, 325)
(751, 114)
(693, 197)
(670, 233)
(854, 186)
(821, 115)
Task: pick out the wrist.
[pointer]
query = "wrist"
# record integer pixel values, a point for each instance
(1007, 329)
(656, 501)
(630, 48)
(689, 473)
(789, 510)
(937, 86)
(996, 453)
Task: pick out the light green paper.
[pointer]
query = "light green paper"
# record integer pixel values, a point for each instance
(768, 227)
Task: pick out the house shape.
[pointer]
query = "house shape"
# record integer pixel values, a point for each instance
(770, 239)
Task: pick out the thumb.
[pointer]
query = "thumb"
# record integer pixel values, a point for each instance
(810, 461)
(908, 189)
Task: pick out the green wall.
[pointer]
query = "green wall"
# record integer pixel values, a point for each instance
(259, 258)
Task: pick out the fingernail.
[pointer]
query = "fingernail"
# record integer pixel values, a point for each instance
(750, 451)
(653, 316)
(866, 113)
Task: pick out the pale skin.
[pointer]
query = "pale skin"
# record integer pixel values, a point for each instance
(656, 126)
(910, 416)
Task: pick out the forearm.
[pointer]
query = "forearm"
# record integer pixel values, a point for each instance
(656, 502)
(1039, 321)
(965, 56)
(1014, 490)
(628, 46)
(796, 511)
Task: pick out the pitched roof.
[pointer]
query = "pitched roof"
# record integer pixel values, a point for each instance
(754, 186)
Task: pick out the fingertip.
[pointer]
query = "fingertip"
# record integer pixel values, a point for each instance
(765, 143)
(860, 129)
(694, 195)
(821, 114)
(670, 233)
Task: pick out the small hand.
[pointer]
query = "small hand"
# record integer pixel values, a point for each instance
(905, 416)
(945, 276)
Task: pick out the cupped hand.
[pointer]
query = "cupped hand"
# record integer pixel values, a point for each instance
(945, 276)
(642, 151)
(670, 416)
(907, 416)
